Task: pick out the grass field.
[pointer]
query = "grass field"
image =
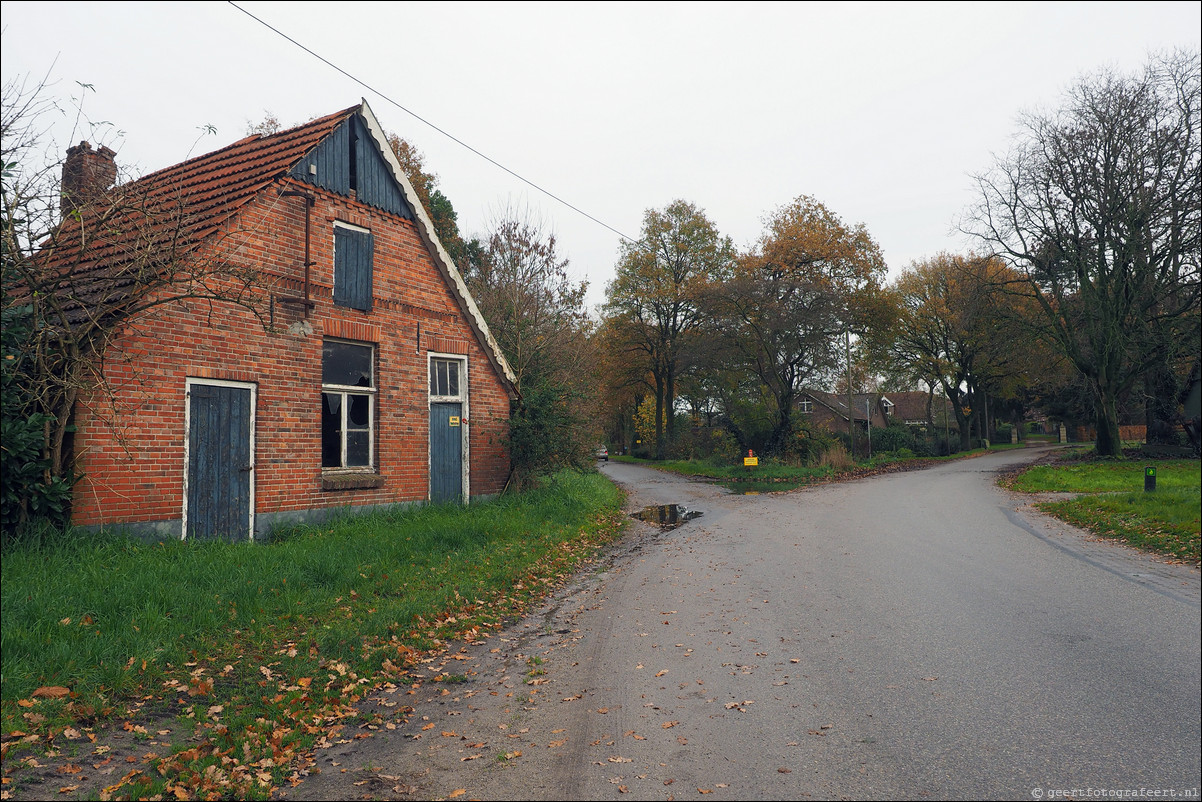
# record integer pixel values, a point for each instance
(259, 647)
(1166, 520)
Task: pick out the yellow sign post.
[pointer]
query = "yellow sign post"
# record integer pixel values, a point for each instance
(751, 460)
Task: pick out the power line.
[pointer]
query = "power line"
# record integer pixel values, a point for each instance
(448, 135)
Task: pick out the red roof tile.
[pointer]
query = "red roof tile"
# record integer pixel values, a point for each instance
(170, 213)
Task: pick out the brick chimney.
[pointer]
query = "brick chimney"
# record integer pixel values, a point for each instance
(87, 174)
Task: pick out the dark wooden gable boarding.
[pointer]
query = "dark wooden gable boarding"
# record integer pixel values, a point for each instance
(348, 160)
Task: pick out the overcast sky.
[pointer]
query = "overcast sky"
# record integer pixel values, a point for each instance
(882, 112)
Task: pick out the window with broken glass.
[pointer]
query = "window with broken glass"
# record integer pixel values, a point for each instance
(348, 396)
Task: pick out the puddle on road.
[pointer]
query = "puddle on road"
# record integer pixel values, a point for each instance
(666, 516)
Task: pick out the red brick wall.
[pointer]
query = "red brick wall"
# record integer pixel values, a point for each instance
(130, 446)
(1135, 433)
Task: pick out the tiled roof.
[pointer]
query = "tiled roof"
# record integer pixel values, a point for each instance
(910, 406)
(141, 230)
(838, 403)
(169, 213)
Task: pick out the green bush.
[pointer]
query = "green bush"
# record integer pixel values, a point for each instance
(809, 444)
(723, 446)
(895, 437)
(28, 495)
(545, 435)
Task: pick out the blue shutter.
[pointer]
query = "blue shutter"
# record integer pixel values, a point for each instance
(353, 254)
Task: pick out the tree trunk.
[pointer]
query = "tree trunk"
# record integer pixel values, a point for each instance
(659, 417)
(1160, 404)
(1109, 443)
(778, 441)
(670, 403)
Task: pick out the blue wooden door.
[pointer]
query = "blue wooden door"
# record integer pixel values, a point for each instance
(446, 452)
(220, 463)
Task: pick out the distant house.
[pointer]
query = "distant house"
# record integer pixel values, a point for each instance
(372, 381)
(829, 410)
(916, 409)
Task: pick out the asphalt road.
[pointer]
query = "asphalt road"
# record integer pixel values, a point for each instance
(918, 635)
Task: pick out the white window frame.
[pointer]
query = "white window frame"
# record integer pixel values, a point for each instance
(345, 390)
(805, 406)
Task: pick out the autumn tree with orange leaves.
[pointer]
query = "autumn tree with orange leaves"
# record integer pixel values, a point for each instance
(810, 282)
(655, 299)
(961, 327)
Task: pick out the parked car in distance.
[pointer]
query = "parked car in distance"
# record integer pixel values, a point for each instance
(603, 453)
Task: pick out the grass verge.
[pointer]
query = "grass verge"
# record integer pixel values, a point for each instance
(1114, 505)
(773, 476)
(262, 651)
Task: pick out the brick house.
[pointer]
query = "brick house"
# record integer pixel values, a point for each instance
(916, 409)
(360, 375)
(829, 410)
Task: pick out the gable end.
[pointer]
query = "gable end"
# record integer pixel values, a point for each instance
(348, 160)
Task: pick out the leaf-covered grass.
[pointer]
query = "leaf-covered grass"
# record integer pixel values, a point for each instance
(774, 476)
(1107, 477)
(768, 475)
(288, 632)
(1166, 521)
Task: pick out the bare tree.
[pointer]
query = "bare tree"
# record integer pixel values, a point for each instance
(536, 312)
(1098, 205)
(81, 265)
